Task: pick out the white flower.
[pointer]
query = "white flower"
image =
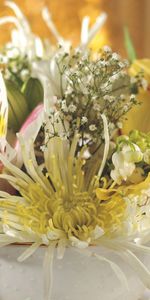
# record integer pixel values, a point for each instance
(121, 65)
(96, 107)
(133, 80)
(115, 56)
(114, 78)
(123, 169)
(24, 74)
(124, 162)
(126, 107)
(111, 126)
(69, 90)
(144, 84)
(119, 124)
(122, 97)
(92, 127)
(109, 98)
(64, 106)
(72, 108)
(84, 120)
(132, 97)
(107, 49)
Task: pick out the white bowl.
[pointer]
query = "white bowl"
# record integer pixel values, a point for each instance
(75, 277)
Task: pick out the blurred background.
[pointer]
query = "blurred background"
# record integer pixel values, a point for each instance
(68, 14)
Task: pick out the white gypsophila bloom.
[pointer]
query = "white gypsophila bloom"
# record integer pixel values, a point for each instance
(126, 107)
(132, 97)
(115, 56)
(92, 127)
(114, 77)
(121, 64)
(111, 126)
(122, 97)
(107, 97)
(107, 49)
(72, 108)
(64, 106)
(119, 125)
(144, 84)
(132, 80)
(126, 63)
(68, 90)
(96, 107)
(84, 120)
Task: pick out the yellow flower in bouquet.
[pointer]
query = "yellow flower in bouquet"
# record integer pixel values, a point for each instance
(82, 193)
(78, 187)
(139, 116)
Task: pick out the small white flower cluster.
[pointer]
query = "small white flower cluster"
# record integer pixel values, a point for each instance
(90, 87)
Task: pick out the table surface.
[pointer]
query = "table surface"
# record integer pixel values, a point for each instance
(146, 295)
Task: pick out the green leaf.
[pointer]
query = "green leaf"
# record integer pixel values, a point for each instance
(33, 92)
(18, 108)
(129, 45)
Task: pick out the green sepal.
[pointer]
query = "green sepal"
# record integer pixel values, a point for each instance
(33, 92)
(18, 108)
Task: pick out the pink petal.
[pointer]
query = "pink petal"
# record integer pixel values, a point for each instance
(30, 129)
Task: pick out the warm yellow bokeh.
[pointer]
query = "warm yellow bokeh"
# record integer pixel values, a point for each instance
(68, 14)
(139, 116)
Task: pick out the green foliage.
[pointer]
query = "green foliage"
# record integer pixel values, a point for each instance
(129, 45)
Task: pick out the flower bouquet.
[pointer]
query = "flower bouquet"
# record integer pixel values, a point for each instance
(74, 185)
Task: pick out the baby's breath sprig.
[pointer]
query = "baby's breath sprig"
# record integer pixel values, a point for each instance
(92, 84)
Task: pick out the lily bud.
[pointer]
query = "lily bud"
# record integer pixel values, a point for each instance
(33, 92)
(18, 108)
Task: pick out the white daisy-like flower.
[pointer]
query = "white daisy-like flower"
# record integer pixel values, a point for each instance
(107, 49)
(92, 127)
(115, 56)
(84, 120)
(96, 107)
(72, 108)
(132, 97)
(64, 106)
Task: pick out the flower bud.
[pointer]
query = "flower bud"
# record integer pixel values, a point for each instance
(33, 92)
(18, 108)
